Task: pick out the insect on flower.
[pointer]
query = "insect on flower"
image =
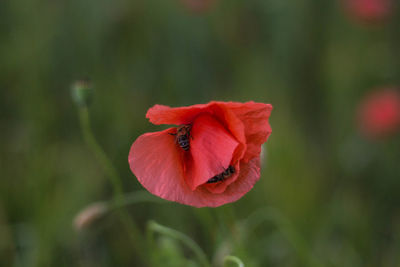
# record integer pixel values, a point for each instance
(182, 136)
(222, 176)
(213, 158)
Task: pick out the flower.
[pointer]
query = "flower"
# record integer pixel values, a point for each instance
(369, 10)
(198, 6)
(225, 141)
(379, 113)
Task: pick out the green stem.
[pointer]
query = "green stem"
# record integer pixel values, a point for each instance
(133, 230)
(98, 151)
(134, 198)
(234, 259)
(155, 227)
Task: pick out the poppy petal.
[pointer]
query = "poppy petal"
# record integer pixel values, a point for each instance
(211, 148)
(157, 163)
(249, 175)
(233, 124)
(160, 114)
(255, 117)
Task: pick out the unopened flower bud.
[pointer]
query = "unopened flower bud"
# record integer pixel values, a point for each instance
(81, 91)
(89, 215)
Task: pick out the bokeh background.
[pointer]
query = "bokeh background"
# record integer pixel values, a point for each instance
(329, 194)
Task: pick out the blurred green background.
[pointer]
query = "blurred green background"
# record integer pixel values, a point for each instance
(330, 197)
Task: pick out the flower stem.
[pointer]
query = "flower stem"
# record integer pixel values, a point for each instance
(152, 227)
(134, 198)
(234, 259)
(133, 230)
(98, 151)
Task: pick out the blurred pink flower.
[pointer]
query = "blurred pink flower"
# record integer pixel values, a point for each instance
(369, 10)
(198, 6)
(379, 113)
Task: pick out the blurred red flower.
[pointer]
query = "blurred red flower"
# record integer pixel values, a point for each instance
(221, 163)
(379, 113)
(369, 10)
(198, 6)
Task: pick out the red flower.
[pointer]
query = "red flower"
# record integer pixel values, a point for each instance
(198, 6)
(222, 160)
(369, 10)
(379, 113)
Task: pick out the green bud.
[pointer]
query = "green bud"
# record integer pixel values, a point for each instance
(82, 91)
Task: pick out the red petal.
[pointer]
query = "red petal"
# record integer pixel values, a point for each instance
(249, 175)
(157, 163)
(211, 147)
(233, 124)
(255, 117)
(160, 114)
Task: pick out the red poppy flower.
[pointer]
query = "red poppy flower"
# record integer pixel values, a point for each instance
(379, 113)
(369, 10)
(198, 6)
(221, 161)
